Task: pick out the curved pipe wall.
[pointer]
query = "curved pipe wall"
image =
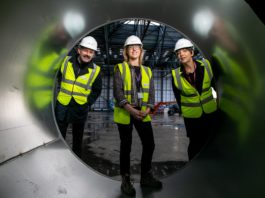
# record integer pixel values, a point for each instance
(35, 162)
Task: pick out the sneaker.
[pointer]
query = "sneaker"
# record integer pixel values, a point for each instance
(127, 187)
(149, 180)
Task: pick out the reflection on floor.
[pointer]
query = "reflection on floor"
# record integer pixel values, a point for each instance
(101, 145)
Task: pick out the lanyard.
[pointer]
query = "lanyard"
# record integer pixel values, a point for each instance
(138, 77)
(192, 81)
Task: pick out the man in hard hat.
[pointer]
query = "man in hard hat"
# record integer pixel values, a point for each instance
(192, 84)
(80, 86)
(134, 98)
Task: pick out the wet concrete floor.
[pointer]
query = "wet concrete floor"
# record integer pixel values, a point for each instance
(101, 145)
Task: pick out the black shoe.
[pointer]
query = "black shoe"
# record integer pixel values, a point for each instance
(149, 180)
(127, 187)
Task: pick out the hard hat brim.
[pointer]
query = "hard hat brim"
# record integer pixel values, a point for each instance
(82, 46)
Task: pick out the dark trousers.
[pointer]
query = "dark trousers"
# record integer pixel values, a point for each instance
(77, 132)
(199, 130)
(70, 114)
(145, 133)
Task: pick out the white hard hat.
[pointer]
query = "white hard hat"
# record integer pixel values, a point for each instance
(133, 40)
(89, 42)
(73, 23)
(183, 43)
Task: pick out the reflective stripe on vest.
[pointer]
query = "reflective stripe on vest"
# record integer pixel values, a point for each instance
(79, 88)
(122, 116)
(192, 103)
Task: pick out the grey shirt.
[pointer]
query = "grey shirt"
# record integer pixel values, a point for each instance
(119, 90)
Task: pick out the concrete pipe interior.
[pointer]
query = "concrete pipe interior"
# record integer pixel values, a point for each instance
(36, 162)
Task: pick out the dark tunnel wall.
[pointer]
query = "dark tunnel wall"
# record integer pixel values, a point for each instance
(35, 162)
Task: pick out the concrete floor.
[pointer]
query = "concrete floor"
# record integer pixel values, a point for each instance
(101, 145)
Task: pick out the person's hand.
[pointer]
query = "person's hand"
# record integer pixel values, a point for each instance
(134, 112)
(145, 113)
(137, 114)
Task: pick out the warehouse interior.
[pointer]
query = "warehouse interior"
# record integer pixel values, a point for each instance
(101, 141)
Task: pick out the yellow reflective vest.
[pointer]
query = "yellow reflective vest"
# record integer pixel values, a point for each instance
(192, 103)
(236, 99)
(43, 63)
(79, 88)
(122, 116)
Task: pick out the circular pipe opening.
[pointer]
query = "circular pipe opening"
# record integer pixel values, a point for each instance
(100, 148)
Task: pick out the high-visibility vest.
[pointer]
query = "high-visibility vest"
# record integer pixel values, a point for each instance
(40, 78)
(79, 88)
(122, 116)
(194, 104)
(235, 98)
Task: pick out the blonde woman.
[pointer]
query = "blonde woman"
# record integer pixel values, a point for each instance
(134, 98)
